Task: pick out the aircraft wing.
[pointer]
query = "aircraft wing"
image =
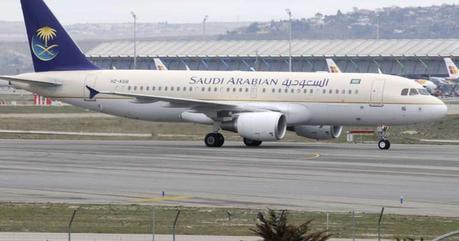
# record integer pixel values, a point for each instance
(199, 105)
(32, 82)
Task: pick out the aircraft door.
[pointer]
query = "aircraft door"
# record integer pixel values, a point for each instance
(253, 91)
(91, 82)
(377, 93)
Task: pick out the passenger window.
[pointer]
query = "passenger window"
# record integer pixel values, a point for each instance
(286, 91)
(141, 88)
(264, 90)
(324, 91)
(405, 92)
(203, 89)
(280, 91)
(172, 88)
(216, 89)
(343, 92)
(129, 87)
(135, 88)
(191, 89)
(209, 89)
(274, 90)
(240, 89)
(305, 91)
(178, 88)
(330, 91)
(148, 88)
(413, 92)
(159, 88)
(311, 91)
(247, 90)
(350, 92)
(337, 91)
(356, 92)
(293, 91)
(165, 88)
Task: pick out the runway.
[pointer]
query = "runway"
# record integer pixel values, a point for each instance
(319, 177)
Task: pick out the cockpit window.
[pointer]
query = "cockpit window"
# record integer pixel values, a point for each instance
(405, 92)
(423, 92)
(414, 92)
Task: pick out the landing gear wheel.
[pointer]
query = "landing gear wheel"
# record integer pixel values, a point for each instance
(252, 143)
(214, 140)
(384, 144)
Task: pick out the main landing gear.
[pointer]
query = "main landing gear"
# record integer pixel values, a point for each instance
(214, 140)
(252, 143)
(217, 140)
(384, 143)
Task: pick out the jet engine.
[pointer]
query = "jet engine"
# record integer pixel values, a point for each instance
(259, 126)
(319, 132)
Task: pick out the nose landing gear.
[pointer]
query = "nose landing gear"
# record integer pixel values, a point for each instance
(384, 143)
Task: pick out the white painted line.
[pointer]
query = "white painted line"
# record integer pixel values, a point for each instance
(62, 133)
(439, 141)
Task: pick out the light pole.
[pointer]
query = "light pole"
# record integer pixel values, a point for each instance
(135, 38)
(290, 30)
(204, 22)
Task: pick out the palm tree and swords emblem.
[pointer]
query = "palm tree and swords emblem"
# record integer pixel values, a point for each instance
(41, 46)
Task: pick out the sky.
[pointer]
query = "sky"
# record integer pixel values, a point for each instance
(193, 11)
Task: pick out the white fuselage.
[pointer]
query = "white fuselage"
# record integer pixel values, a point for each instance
(305, 98)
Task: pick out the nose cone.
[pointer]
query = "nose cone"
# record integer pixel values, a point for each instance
(440, 110)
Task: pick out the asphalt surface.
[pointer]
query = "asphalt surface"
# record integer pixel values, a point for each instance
(323, 177)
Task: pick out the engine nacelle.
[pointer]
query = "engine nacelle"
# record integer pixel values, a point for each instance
(319, 132)
(260, 126)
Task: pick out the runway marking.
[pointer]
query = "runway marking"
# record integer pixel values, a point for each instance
(313, 156)
(163, 199)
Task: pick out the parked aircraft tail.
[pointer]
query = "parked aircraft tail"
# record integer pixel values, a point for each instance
(453, 71)
(332, 67)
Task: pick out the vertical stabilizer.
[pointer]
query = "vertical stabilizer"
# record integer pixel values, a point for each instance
(51, 47)
(160, 65)
(453, 71)
(332, 67)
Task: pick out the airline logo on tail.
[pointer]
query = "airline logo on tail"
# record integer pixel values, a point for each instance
(453, 70)
(42, 44)
(332, 67)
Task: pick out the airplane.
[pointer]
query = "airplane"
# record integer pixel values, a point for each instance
(258, 106)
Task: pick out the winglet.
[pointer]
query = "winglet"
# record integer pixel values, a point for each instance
(92, 92)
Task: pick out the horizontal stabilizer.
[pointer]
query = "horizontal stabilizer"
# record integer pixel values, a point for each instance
(49, 83)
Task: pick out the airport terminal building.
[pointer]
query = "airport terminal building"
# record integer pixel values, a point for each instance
(413, 58)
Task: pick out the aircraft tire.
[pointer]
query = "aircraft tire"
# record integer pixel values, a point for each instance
(214, 140)
(252, 143)
(384, 144)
